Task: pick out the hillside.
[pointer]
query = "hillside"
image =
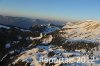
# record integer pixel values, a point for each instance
(82, 30)
(74, 41)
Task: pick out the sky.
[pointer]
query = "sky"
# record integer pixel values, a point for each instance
(52, 9)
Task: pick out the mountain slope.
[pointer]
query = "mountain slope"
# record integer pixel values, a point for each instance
(74, 41)
(84, 30)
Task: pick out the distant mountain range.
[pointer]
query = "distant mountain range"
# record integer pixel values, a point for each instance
(24, 22)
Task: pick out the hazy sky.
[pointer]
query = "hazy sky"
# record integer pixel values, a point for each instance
(57, 9)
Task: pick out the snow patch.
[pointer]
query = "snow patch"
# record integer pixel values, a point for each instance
(7, 45)
(2, 26)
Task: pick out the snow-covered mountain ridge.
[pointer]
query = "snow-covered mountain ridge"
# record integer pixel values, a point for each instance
(82, 30)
